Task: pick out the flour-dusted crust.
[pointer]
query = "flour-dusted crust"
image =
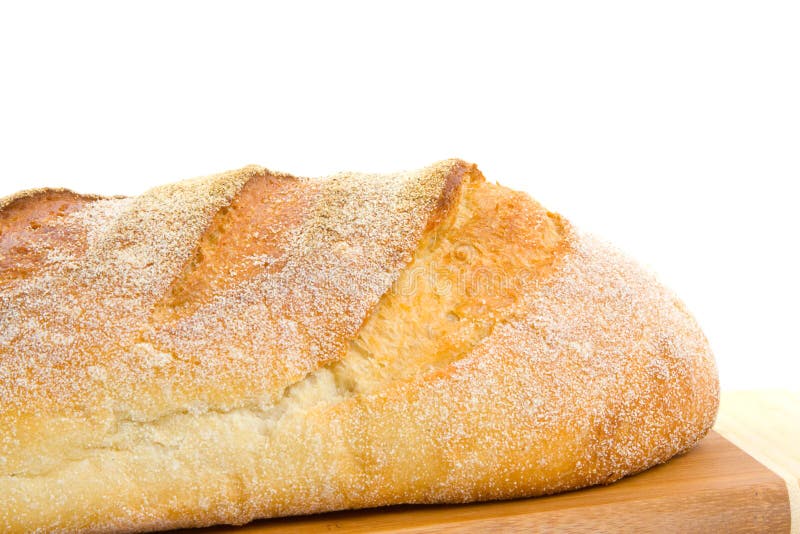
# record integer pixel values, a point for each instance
(253, 344)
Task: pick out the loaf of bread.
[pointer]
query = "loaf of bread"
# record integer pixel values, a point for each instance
(251, 344)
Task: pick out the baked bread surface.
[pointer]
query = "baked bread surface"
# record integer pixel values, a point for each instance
(252, 344)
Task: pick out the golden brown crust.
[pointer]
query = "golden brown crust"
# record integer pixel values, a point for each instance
(253, 344)
(30, 216)
(32, 197)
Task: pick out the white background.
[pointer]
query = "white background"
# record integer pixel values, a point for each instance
(670, 128)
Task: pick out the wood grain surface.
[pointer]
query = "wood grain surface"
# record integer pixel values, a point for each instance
(716, 487)
(766, 424)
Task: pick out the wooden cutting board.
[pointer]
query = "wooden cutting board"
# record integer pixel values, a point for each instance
(715, 487)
